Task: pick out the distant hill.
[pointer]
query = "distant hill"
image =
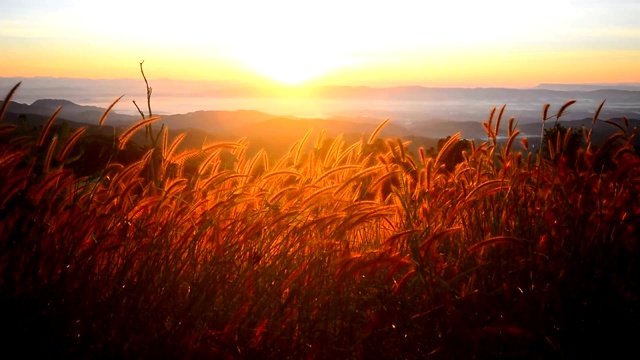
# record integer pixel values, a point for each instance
(110, 88)
(70, 111)
(553, 93)
(590, 87)
(215, 122)
(280, 132)
(276, 133)
(417, 103)
(406, 105)
(601, 129)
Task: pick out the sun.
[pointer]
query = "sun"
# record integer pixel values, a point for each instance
(291, 65)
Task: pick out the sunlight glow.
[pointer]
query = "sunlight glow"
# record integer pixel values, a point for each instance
(291, 66)
(293, 41)
(332, 41)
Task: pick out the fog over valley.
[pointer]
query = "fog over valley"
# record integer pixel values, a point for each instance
(415, 110)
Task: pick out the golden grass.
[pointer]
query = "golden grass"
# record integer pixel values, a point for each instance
(73, 138)
(126, 135)
(7, 99)
(104, 116)
(47, 126)
(336, 252)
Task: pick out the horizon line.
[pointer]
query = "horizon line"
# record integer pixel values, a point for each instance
(311, 85)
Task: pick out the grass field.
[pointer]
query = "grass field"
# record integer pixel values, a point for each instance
(349, 250)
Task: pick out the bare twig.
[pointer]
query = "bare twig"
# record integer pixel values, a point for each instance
(140, 111)
(148, 129)
(157, 161)
(149, 89)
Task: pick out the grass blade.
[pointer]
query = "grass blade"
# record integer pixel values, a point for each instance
(7, 99)
(106, 112)
(122, 140)
(564, 108)
(595, 116)
(377, 130)
(69, 143)
(496, 240)
(47, 126)
(545, 111)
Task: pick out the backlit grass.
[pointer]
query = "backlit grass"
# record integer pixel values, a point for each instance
(348, 250)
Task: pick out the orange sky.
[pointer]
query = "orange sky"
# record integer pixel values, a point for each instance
(452, 43)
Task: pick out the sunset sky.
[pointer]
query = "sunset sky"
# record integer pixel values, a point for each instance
(377, 43)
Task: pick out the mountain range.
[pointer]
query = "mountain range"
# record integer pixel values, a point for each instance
(408, 106)
(263, 129)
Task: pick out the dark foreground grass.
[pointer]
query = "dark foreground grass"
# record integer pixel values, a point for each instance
(344, 251)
